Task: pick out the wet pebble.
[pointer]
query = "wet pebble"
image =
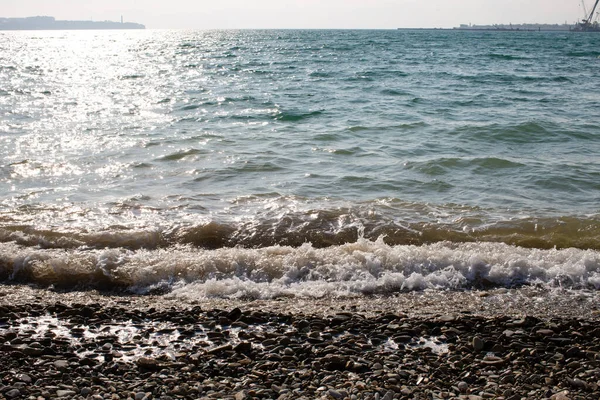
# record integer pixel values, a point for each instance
(237, 354)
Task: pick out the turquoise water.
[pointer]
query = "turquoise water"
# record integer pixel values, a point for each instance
(149, 143)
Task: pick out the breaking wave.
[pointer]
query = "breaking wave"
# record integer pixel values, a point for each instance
(360, 268)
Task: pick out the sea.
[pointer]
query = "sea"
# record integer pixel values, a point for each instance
(259, 164)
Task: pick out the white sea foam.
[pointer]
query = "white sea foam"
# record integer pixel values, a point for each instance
(355, 269)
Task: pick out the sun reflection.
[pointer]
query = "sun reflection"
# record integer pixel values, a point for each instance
(79, 100)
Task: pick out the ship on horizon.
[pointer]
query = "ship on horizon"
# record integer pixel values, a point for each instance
(50, 23)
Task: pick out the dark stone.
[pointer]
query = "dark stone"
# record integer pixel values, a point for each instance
(402, 338)
(13, 393)
(148, 364)
(220, 349)
(243, 347)
(334, 362)
(234, 314)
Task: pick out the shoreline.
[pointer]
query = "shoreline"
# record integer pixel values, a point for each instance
(531, 301)
(477, 345)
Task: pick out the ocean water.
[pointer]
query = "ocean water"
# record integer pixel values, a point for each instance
(258, 164)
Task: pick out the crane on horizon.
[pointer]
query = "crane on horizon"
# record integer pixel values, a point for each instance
(588, 17)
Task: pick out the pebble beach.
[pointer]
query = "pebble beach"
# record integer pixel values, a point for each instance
(527, 343)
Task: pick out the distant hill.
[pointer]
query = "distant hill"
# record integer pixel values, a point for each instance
(50, 23)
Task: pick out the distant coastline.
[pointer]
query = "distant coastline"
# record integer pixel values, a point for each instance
(50, 23)
(517, 27)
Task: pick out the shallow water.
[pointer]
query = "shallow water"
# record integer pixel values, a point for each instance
(375, 161)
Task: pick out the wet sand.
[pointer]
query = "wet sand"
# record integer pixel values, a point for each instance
(511, 344)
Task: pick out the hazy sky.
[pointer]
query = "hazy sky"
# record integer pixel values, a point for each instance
(207, 14)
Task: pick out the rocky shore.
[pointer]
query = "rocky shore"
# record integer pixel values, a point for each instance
(83, 346)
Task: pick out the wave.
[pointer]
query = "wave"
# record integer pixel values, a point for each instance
(191, 107)
(132, 76)
(388, 128)
(363, 76)
(182, 154)
(584, 54)
(508, 57)
(321, 74)
(527, 132)
(320, 228)
(447, 165)
(296, 116)
(510, 79)
(394, 92)
(251, 167)
(361, 268)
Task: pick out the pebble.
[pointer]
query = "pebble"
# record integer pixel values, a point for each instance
(61, 364)
(65, 393)
(388, 396)
(24, 378)
(13, 393)
(478, 343)
(463, 387)
(545, 332)
(234, 314)
(337, 395)
(209, 354)
(147, 363)
(560, 396)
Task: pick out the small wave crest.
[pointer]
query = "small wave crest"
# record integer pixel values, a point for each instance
(296, 116)
(448, 165)
(524, 133)
(132, 76)
(182, 154)
(507, 57)
(512, 79)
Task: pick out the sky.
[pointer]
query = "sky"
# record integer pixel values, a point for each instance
(309, 14)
